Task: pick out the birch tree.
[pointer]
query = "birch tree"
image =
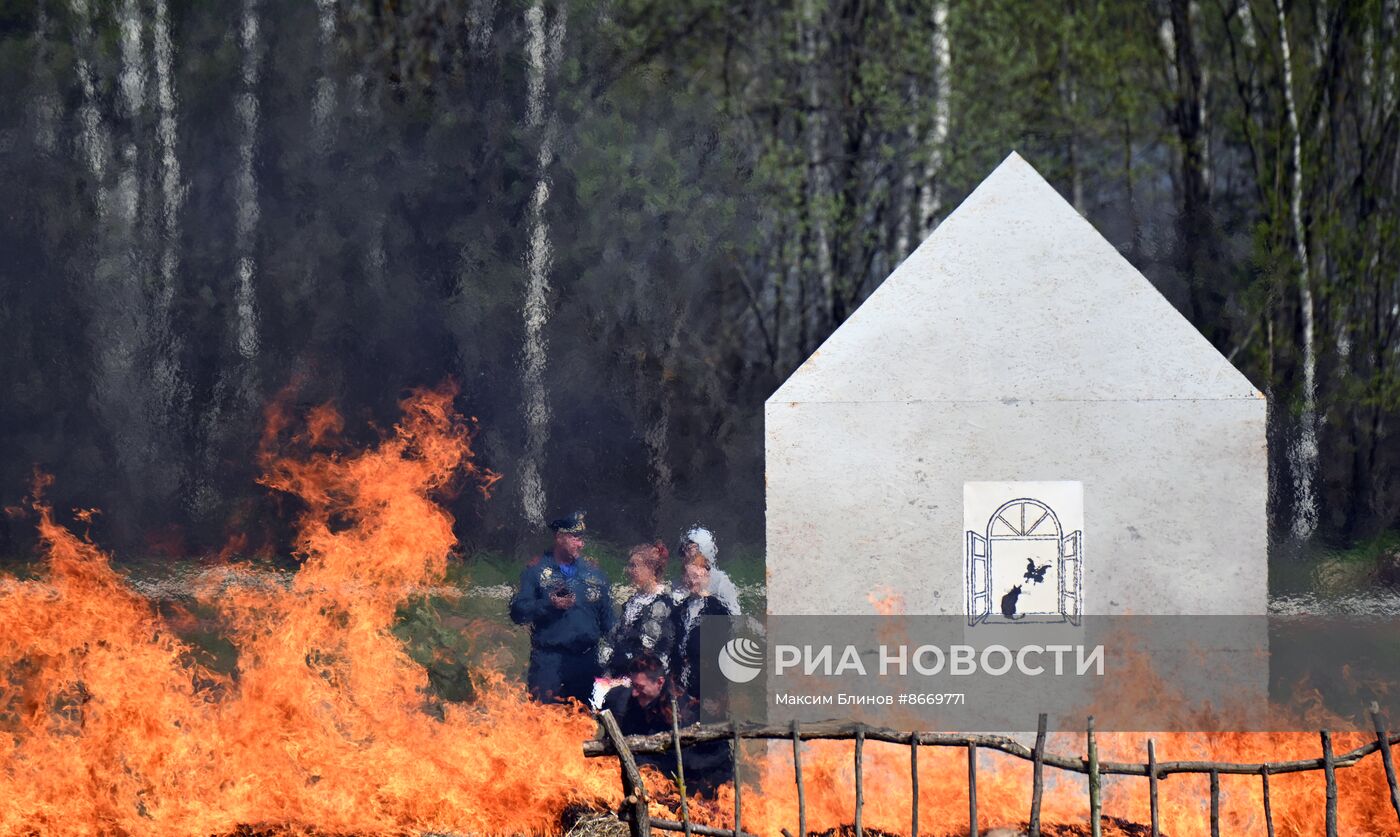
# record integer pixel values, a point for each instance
(118, 315)
(544, 50)
(1187, 76)
(931, 189)
(1303, 456)
(169, 379)
(819, 196)
(246, 194)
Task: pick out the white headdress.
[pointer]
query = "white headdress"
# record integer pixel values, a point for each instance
(720, 584)
(704, 539)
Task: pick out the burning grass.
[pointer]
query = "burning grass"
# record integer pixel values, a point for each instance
(114, 727)
(326, 722)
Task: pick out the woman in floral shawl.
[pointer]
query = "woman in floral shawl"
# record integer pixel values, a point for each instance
(646, 626)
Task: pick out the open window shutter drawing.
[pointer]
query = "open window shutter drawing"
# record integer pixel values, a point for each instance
(979, 579)
(1071, 576)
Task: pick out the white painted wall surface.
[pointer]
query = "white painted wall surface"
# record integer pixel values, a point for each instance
(862, 496)
(1016, 344)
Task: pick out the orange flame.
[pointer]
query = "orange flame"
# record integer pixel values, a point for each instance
(1004, 783)
(111, 726)
(1004, 789)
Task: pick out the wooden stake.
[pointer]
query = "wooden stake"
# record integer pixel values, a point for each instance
(1329, 771)
(632, 785)
(1383, 739)
(1152, 788)
(797, 769)
(1095, 803)
(914, 781)
(1268, 807)
(1037, 775)
(680, 765)
(972, 786)
(700, 830)
(738, 806)
(661, 743)
(1214, 803)
(860, 787)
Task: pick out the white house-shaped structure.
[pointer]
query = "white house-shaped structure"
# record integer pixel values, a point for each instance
(1017, 364)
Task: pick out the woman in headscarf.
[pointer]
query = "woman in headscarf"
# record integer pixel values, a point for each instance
(646, 626)
(698, 600)
(699, 542)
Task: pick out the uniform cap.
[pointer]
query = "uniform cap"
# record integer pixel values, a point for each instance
(573, 524)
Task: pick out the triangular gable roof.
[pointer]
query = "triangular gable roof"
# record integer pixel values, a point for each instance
(1015, 297)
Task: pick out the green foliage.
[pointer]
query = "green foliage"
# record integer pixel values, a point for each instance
(442, 649)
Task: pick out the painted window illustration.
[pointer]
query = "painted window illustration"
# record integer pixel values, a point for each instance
(1024, 552)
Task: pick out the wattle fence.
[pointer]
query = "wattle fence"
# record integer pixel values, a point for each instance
(635, 810)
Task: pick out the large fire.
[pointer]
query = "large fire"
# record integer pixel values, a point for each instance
(109, 724)
(112, 728)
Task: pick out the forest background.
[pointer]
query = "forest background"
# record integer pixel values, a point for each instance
(619, 225)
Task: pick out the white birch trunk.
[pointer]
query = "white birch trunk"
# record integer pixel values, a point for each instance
(168, 380)
(323, 103)
(1168, 36)
(118, 310)
(1303, 457)
(45, 108)
(1247, 28)
(908, 183)
(238, 385)
(1390, 17)
(246, 191)
(1207, 159)
(481, 18)
(121, 300)
(931, 198)
(1207, 167)
(132, 81)
(94, 139)
(1070, 91)
(543, 50)
(657, 437)
(819, 173)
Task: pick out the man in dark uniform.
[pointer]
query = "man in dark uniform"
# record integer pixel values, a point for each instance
(567, 602)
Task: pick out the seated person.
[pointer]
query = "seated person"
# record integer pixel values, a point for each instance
(644, 708)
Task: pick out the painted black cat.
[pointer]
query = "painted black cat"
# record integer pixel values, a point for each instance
(1008, 603)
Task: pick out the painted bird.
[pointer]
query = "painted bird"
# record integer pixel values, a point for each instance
(1035, 574)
